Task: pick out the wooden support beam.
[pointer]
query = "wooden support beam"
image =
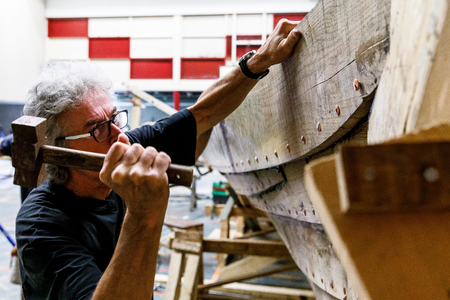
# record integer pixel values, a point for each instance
(249, 276)
(255, 290)
(256, 233)
(408, 256)
(150, 99)
(183, 224)
(135, 121)
(175, 270)
(187, 256)
(246, 247)
(394, 177)
(266, 292)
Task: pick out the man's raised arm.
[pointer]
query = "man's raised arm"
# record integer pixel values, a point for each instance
(225, 95)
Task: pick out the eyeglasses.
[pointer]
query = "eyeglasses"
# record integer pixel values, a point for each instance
(102, 131)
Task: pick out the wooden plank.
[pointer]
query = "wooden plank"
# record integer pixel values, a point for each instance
(413, 91)
(249, 276)
(152, 100)
(340, 41)
(188, 290)
(314, 254)
(226, 212)
(387, 255)
(289, 198)
(246, 265)
(256, 233)
(135, 121)
(183, 224)
(175, 268)
(268, 292)
(265, 292)
(221, 297)
(394, 177)
(236, 211)
(246, 247)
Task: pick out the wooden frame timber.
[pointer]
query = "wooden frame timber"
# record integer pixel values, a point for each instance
(398, 251)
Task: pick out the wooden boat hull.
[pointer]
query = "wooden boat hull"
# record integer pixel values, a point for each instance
(299, 112)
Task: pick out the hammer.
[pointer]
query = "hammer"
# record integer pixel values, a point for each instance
(30, 152)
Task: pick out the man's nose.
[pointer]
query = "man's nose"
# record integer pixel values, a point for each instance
(115, 131)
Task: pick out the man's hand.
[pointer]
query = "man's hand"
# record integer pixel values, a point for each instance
(139, 176)
(277, 48)
(14, 251)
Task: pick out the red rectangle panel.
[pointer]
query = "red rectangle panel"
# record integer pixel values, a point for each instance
(109, 47)
(201, 68)
(241, 49)
(151, 68)
(290, 17)
(68, 27)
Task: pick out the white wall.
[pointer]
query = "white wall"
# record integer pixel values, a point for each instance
(23, 29)
(117, 8)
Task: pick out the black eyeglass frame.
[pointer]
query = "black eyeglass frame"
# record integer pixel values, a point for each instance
(91, 132)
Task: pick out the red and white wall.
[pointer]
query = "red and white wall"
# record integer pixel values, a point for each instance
(177, 45)
(164, 53)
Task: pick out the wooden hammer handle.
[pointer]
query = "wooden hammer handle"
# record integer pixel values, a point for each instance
(178, 175)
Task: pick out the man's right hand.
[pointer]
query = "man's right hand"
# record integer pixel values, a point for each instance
(139, 176)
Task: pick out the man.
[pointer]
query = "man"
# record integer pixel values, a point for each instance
(75, 238)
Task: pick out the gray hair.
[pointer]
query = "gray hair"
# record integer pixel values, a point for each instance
(61, 87)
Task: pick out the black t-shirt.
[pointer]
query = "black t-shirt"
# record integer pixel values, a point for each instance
(65, 242)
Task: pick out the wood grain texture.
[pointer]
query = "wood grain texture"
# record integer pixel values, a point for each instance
(386, 255)
(314, 255)
(395, 177)
(341, 41)
(414, 89)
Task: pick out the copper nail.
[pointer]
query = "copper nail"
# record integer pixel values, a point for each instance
(288, 147)
(276, 153)
(338, 111)
(303, 139)
(267, 158)
(314, 212)
(289, 211)
(319, 127)
(256, 158)
(236, 164)
(356, 84)
(304, 212)
(332, 285)
(313, 275)
(248, 160)
(242, 163)
(262, 184)
(321, 280)
(345, 291)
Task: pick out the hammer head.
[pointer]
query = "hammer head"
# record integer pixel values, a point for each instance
(29, 136)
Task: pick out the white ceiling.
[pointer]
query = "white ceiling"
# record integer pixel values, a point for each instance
(121, 8)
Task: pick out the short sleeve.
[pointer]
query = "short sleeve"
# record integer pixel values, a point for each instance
(175, 135)
(57, 265)
(5, 145)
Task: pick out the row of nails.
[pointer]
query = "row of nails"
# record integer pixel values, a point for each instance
(321, 280)
(318, 127)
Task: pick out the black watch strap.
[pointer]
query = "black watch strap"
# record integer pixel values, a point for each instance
(246, 71)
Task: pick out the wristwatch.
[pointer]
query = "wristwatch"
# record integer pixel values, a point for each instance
(246, 71)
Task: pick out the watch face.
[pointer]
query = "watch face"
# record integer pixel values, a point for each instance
(247, 55)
